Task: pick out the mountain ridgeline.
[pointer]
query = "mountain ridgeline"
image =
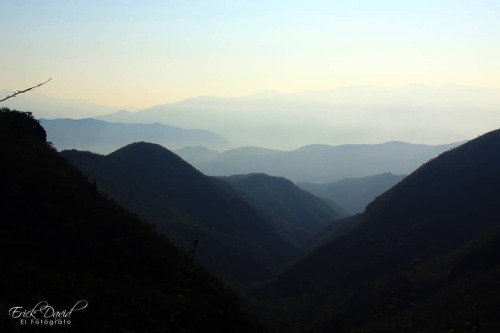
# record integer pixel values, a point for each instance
(315, 163)
(296, 214)
(420, 257)
(235, 240)
(62, 241)
(102, 137)
(347, 114)
(354, 194)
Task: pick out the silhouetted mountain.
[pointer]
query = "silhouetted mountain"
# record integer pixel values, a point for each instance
(235, 241)
(62, 241)
(417, 253)
(295, 213)
(319, 163)
(354, 194)
(102, 137)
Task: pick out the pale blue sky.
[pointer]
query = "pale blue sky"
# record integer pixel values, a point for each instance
(141, 53)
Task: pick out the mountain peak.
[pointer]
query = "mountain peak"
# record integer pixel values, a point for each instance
(20, 126)
(187, 205)
(152, 158)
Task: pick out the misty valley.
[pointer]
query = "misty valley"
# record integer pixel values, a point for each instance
(261, 166)
(178, 230)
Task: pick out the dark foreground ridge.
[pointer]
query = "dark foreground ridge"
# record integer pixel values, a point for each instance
(61, 242)
(422, 258)
(235, 241)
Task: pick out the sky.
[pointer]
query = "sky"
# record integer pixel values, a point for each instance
(143, 53)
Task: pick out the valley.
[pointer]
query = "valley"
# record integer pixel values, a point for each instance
(258, 166)
(346, 238)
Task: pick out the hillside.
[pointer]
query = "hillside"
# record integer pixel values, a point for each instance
(102, 137)
(318, 163)
(235, 241)
(406, 252)
(354, 194)
(62, 241)
(295, 213)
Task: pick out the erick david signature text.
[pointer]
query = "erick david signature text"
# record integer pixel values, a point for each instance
(44, 314)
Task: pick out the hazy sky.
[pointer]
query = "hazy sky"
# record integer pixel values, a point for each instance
(141, 53)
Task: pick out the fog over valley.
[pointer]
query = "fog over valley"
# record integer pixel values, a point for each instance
(358, 114)
(261, 166)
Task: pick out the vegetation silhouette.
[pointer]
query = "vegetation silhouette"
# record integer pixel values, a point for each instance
(23, 91)
(411, 258)
(296, 214)
(423, 257)
(62, 241)
(236, 241)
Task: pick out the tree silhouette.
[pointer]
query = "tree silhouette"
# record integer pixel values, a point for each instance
(23, 91)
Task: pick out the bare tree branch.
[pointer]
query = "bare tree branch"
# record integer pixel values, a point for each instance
(25, 90)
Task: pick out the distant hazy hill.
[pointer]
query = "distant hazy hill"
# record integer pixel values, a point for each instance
(44, 106)
(317, 163)
(103, 137)
(235, 241)
(421, 256)
(295, 213)
(197, 154)
(260, 120)
(62, 241)
(356, 114)
(354, 194)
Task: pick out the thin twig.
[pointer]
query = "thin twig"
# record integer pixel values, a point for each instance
(25, 90)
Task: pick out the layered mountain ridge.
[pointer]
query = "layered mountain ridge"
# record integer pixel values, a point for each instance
(235, 241)
(296, 214)
(412, 240)
(102, 137)
(316, 163)
(62, 241)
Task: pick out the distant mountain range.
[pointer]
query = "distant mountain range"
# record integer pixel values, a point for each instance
(357, 114)
(315, 163)
(423, 255)
(354, 194)
(102, 137)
